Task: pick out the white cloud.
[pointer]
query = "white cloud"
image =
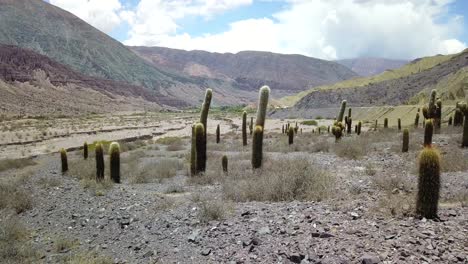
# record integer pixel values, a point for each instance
(102, 14)
(328, 29)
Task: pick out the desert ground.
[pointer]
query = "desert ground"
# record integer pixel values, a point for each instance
(315, 201)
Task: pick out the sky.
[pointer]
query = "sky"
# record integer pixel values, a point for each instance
(326, 29)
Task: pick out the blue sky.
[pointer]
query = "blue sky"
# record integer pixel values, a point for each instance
(328, 29)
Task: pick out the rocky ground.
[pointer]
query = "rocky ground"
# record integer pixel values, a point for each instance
(366, 218)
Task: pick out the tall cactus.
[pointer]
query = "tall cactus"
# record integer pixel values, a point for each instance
(64, 160)
(428, 183)
(464, 109)
(342, 111)
(224, 163)
(257, 140)
(99, 162)
(193, 154)
(251, 125)
(428, 131)
(114, 156)
(206, 108)
(200, 148)
(85, 150)
(244, 128)
(405, 146)
(218, 136)
(257, 147)
(291, 136)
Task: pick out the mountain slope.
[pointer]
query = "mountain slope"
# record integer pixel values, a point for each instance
(371, 66)
(448, 74)
(51, 31)
(34, 84)
(285, 74)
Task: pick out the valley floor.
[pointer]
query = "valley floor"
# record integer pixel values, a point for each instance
(313, 202)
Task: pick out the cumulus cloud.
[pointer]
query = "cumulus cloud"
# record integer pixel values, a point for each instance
(102, 14)
(329, 29)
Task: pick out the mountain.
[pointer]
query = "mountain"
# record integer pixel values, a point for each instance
(410, 84)
(58, 34)
(371, 66)
(34, 84)
(285, 74)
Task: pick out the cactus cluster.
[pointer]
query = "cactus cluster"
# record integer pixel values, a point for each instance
(434, 110)
(257, 139)
(199, 136)
(338, 126)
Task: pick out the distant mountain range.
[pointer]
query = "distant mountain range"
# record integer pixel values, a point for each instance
(371, 66)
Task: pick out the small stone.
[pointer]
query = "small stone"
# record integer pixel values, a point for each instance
(206, 252)
(148, 254)
(322, 235)
(194, 236)
(370, 259)
(264, 230)
(354, 215)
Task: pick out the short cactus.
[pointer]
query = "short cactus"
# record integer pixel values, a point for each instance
(291, 136)
(385, 123)
(282, 129)
(218, 136)
(224, 163)
(464, 110)
(428, 131)
(416, 120)
(399, 124)
(257, 147)
(200, 148)
(428, 183)
(349, 124)
(99, 162)
(193, 154)
(359, 128)
(405, 146)
(85, 150)
(244, 128)
(450, 120)
(376, 123)
(349, 112)
(114, 156)
(251, 125)
(64, 160)
(458, 116)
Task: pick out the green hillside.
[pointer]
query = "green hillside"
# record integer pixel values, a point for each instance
(407, 70)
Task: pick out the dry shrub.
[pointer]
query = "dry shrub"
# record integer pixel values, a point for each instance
(396, 204)
(14, 244)
(88, 258)
(213, 209)
(391, 182)
(8, 164)
(279, 180)
(62, 244)
(14, 196)
(454, 160)
(153, 171)
(85, 171)
(352, 147)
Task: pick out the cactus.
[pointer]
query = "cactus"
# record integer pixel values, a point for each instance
(224, 162)
(204, 121)
(458, 116)
(428, 183)
(328, 129)
(375, 127)
(114, 156)
(282, 129)
(464, 109)
(251, 125)
(85, 150)
(193, 154)
(342, 111)
(312, 130)
(206, 108)
(64, 160)
(416, 120)
(99, 162)
(438, 116)
(257, 147)
(291, 136)
(257, 141)
(450, 120)
(399, 124)
(262, 106)
(244, 128)
(349, 124)
(337, 130)
(385, 123)
(218, 137)
(428, 131)
(405, 140)
(200, 148)
(433, 110)
(349, 112)
(359, 128)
